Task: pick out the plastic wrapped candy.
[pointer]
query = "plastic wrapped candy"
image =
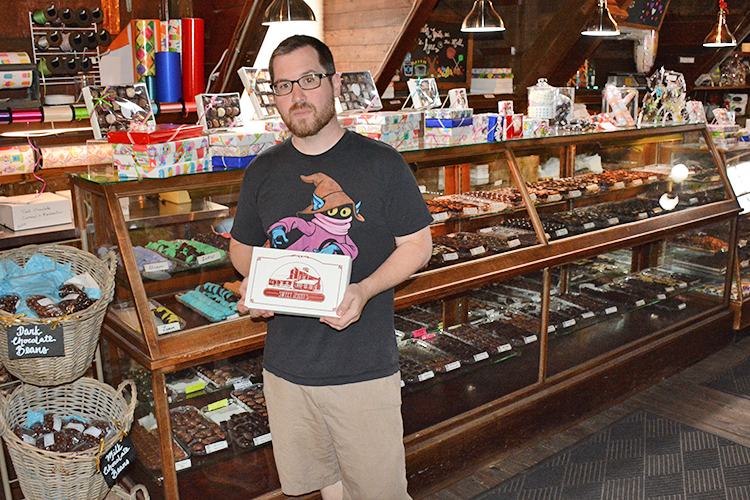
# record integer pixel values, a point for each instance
(618, 105)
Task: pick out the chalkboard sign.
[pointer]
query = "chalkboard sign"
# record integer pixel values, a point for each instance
(35, 341)
(441, 52)
(646, 13)
(116, 460)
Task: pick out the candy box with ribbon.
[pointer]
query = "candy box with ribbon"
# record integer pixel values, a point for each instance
(448, 113)
(159, 155)
(163, 132)
(219, 111)
(118, 108)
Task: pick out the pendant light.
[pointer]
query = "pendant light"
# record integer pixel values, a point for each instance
(482, 19)
(602, 24)
(720, 36)
(288, 10)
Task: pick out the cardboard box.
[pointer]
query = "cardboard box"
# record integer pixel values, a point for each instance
(31, 211)
(298, 283)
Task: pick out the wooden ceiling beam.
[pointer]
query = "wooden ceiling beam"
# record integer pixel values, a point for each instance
(248, 37)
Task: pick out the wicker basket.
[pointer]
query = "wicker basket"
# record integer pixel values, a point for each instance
(119, 493)
(46, 475)
(81, 330)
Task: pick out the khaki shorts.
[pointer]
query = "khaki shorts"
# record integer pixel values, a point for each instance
(351, 433)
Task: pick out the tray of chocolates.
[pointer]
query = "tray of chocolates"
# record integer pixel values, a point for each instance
(405, 327)
(513, 237)
(195, 432)
(165, 319)
(248, 429)
(481, 338)
(188, 253)
(253, 399)
(465, 247)
(149, 448)
(118, 108)
(221, 375)
(152, 264)
(453, 346)
(412, 371)
(218, 112)
(506, 329)
(510, 196)
(251, 364)
(212, 301)
(424, 317)
(427, 355)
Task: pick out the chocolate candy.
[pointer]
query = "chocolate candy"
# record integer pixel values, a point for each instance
(243, 428)
(194, 430)
(9, 303)
(43, 306)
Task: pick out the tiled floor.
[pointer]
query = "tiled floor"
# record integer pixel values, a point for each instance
(681, 397)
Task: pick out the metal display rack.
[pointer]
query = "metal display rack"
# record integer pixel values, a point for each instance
(93, 54)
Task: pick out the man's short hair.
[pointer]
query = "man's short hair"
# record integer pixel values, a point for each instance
(299, 41)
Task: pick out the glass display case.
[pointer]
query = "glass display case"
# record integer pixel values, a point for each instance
(559, 265)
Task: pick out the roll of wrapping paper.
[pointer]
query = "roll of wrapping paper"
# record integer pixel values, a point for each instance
(57, 114)
(192, 58)
(168, 77)
(144, 48)
(17, 79)
(27, 115)
(14, 58)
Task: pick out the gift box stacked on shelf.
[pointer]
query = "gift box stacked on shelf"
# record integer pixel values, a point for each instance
(142, 149)
(400, 129)
(231, 149)
(448, 127)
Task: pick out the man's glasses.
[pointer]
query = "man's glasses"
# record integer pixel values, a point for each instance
(307, 82)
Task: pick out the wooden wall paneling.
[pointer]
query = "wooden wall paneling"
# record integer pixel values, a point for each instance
(245, 43)
(404, 41)
(552, 44)
(361, 33)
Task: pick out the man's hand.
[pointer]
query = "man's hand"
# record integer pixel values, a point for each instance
(243, 309)
(355, 298)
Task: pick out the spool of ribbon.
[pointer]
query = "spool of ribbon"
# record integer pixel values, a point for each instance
(44, 16)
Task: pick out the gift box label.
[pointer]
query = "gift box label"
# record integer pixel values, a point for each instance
(30, 211)
(298, 283)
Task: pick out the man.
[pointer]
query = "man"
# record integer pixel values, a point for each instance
(332, 385)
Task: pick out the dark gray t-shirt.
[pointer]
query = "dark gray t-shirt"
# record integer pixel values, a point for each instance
(353, 200)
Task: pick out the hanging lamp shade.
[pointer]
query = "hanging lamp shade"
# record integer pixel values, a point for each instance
(288, 10)
(602, 23)
(720, 36)
(483, 18)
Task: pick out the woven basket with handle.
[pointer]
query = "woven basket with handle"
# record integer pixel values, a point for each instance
(80, 330)
(47, 475)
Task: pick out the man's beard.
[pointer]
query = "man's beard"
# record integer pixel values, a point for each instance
(313, 124)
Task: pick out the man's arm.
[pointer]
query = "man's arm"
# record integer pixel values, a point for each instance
(412, 252)
(242, 256)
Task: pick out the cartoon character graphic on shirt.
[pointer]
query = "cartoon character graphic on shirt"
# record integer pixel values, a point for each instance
(322, 227)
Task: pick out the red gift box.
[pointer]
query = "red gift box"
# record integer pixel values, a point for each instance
(163, 132)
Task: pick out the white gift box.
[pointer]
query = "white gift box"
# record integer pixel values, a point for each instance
(387, 118)
(298, 283)
(30, 211)
(448, 136)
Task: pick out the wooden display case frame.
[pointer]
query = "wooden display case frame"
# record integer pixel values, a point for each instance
(470, 438)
